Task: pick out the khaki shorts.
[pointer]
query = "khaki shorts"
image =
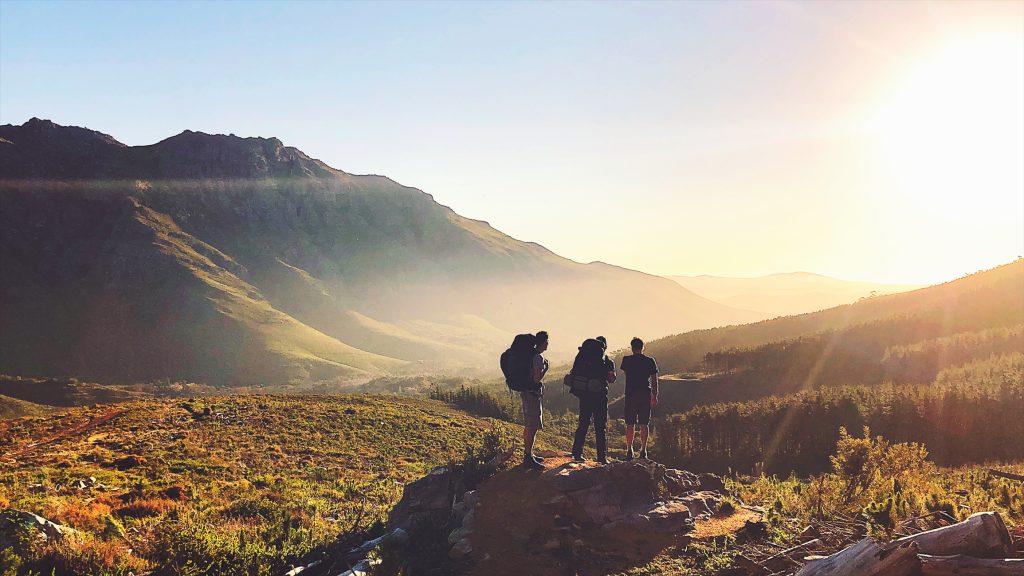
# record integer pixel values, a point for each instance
(533, 414)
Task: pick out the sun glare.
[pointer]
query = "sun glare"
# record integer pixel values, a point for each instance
(953, 128)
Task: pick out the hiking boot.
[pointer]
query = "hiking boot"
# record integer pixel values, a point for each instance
(537, 458)
(602, 459)
(629, 454)
(576, 458)
(643, 453)
(531, 464)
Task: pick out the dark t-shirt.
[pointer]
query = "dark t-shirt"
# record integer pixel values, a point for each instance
(638, 369)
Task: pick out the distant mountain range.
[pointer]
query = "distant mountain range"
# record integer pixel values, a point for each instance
(786, 294)
(241, 261)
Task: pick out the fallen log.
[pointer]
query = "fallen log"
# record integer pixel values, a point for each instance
(982, 535)
(1007, 475)
(967, 566)
(866, 558)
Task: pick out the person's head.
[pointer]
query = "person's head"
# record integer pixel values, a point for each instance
(603, 341)
(637, 345)
(542, 341)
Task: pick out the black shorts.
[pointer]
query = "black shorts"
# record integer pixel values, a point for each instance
(638, 408)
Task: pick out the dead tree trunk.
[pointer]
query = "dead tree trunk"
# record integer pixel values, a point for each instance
(1007, 475)
(968, 566)
(866, 558)
(982, 535)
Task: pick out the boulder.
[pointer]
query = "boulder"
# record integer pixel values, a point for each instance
(631, 493)
(18, 527)
(430, 496)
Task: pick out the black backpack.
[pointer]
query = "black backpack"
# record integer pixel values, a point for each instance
(517, 363)
(589, 371)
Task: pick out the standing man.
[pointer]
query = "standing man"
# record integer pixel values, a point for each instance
(641, 395)
(533, 417)
(594, 368)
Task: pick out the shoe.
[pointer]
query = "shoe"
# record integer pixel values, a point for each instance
(537, 458)
(602, 459)
(643, 454)
(531, 464)
(576, 458)
(629, 454)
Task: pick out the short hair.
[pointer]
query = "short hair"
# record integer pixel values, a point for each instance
(636, 343)
(602, 340)
(542, 336)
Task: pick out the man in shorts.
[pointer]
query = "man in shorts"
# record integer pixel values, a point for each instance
(533, 413)
(641, 395)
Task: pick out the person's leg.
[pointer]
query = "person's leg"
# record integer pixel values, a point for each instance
(531, 423)
(644, 419)
(629, 405)
(529, 437)
(600, 424)
(586, 409)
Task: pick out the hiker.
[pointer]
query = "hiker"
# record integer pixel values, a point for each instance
(641, 395)
(524, 367)
(591, 373)
(533, 413)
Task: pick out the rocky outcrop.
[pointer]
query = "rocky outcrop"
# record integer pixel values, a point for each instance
(19, 528)
(579, 518)
(576, 518)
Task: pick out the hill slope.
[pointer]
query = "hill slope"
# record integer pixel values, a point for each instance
(786, 294)
(987, 299)
(14, 408)
(904, 338)
(237, 485)
(239, 261)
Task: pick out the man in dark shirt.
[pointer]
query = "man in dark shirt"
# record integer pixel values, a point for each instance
(592, 363)
(641, 395)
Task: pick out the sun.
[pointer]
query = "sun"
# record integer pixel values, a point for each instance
(951, 132)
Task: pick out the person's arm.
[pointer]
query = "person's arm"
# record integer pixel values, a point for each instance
(654, 390)
(538, 369)
(611, 371)
(654, 383)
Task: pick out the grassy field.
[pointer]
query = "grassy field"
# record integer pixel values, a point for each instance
(238, 485)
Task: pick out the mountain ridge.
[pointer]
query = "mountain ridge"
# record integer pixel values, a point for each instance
(308, 272)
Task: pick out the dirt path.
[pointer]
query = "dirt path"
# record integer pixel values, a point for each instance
(75, 430)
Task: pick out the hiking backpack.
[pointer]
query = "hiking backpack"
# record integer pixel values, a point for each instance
(517, 363)
(588, 370)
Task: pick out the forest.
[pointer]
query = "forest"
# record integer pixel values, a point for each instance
(968, 414)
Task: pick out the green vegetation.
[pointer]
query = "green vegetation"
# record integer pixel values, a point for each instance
(219, 485)
(881, 486)
(970, 414)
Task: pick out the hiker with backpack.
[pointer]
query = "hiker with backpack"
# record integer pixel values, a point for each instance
(641, 395)
(591, 373)
(524, 367)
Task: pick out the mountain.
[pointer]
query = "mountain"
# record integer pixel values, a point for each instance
(241, 261)
(903, 338)
(786, 294)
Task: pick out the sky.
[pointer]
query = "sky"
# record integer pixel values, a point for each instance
(870, 141)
